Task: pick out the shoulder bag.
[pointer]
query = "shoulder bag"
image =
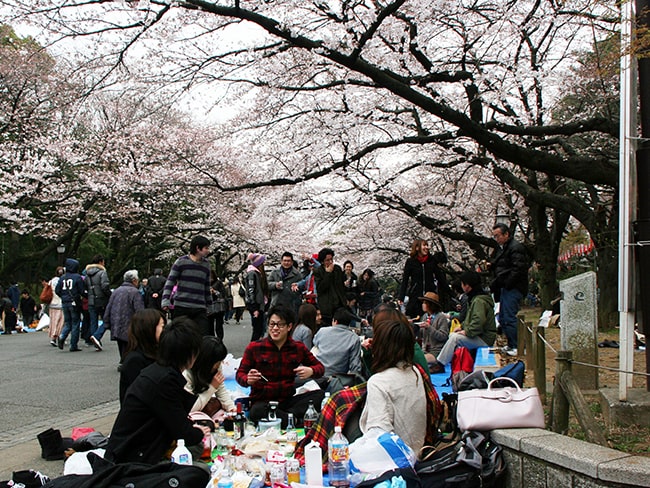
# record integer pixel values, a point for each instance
(499, 408)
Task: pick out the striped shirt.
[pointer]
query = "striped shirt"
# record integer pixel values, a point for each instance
(193, 280)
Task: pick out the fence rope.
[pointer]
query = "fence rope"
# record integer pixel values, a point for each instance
(597, 366)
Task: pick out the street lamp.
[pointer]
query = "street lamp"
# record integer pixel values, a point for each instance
(61, 250)
(502, 218)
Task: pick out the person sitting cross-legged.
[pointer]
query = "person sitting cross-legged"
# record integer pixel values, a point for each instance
(270, 366)
(479, 328)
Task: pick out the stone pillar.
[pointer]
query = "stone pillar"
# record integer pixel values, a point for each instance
(579, 326)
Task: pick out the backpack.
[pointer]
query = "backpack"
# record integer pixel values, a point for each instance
(473, 461)
(513, 371)
(47, 294)
(462, 364)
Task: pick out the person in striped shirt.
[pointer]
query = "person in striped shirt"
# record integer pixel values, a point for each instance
(191, 276)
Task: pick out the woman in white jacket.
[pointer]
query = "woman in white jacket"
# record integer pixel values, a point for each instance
(205, 378)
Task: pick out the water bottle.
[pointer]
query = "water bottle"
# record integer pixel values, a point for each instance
(291, 434)
(338, 463)
(310, 417)
(181, 455)
(325, 398)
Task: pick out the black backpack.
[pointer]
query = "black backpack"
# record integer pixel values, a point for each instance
(473, 461)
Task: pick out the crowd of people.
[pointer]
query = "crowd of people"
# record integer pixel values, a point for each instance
(306, 325)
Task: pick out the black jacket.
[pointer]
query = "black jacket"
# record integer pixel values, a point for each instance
(510, 267)
(420, 278)
(153, 414)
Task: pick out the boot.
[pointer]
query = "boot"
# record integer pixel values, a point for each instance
(51, 444)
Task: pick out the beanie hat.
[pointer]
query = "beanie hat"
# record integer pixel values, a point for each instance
(256, 259)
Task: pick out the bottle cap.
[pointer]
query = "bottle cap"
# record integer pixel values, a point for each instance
(337, 429)
(180, 442)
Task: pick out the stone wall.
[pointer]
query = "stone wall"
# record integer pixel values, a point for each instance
(539, 458)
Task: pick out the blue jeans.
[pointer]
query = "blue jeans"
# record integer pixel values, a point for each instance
(72, 320)
(99, 333)
(94, 313)
(508, 309)
(458, 340)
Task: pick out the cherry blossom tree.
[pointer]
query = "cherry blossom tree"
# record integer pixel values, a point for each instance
(344, 92)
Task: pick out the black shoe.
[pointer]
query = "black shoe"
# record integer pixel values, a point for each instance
(51, 444)
(75, 350)
(60, 342)
(437, 367)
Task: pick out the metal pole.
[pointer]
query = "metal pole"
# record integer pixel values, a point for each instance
(626, 203)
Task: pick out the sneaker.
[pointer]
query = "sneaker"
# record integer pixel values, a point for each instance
(97, 343)
(60, 342)
(53, 343)
(511, 352)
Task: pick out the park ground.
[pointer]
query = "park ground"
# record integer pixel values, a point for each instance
(634, 439)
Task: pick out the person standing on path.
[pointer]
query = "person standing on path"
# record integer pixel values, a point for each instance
(191, 276)
(99, 291)
(256, 293)
(124, 302)
(71, 289)
(509, 265)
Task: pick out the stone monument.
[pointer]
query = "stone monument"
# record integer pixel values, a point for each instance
(579, 326)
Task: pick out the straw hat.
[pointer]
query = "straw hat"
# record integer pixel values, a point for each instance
(430, 297)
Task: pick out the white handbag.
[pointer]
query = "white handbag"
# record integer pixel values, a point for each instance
(499, 408)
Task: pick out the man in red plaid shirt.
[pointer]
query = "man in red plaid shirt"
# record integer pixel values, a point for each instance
(270, 367)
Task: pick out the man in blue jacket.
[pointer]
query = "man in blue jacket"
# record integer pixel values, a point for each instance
(71, 289)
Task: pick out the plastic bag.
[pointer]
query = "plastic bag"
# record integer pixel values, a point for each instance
(378, 451)
(229, 366)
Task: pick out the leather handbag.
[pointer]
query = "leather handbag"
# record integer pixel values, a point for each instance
(499, 408)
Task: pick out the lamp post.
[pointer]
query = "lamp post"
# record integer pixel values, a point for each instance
(60, 249)
(502, 218)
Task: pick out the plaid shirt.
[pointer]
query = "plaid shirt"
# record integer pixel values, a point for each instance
(277, 366)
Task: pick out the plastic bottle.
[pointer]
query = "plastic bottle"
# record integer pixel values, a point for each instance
(338, 463)
(325, 399)
(311, 415)
(225, 482)
(292, 435)
(181, 455)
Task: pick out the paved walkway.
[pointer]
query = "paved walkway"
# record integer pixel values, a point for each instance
(21, 450)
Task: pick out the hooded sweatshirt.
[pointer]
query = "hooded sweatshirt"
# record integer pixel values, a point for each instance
(71, 286)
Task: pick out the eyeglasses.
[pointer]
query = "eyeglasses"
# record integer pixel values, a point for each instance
(278, 325)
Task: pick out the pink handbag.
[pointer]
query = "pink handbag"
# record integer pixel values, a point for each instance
(499, 408)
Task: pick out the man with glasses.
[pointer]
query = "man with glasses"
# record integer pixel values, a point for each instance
(271, 365)
(509, 266)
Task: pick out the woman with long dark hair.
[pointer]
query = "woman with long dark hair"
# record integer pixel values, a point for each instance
(396, 399)
(144, 334)
(422, 274)
(205, 378)
(307, 326)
